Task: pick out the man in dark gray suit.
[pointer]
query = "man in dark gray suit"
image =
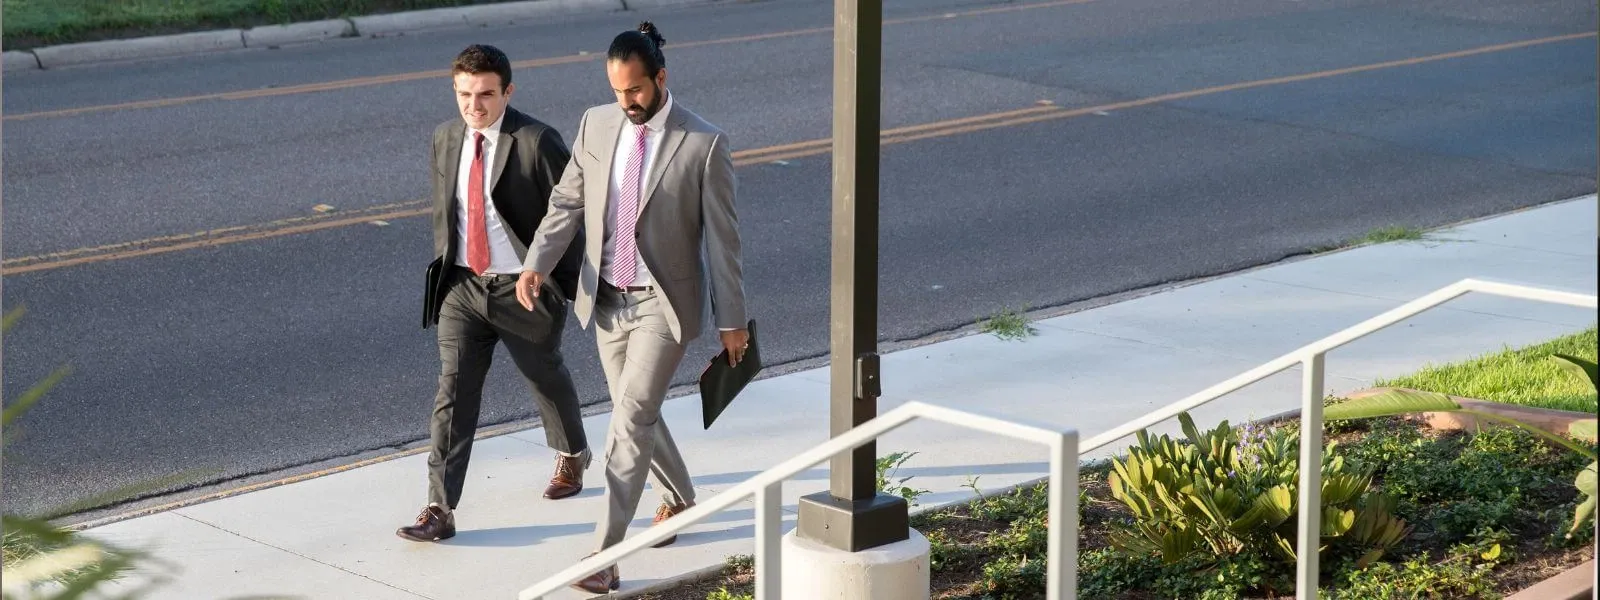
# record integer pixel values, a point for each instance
(658, 181)
(492, 173)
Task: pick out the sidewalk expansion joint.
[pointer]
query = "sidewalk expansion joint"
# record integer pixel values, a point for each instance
(292, 552)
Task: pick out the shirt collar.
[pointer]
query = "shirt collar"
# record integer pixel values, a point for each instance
(658, 122)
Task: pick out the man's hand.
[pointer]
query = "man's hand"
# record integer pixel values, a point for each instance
(528, 288)
(736, 341)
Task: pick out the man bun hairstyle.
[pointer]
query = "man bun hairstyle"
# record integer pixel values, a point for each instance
(644, 43)
(649, 30)
(483, 58)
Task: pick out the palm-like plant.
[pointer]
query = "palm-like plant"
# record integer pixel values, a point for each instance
(42, 560)
(1580, 436)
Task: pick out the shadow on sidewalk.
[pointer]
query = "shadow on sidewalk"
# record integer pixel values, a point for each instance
(514, 537)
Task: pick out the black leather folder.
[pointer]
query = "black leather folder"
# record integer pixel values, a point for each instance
(431, 299)
(720, 383)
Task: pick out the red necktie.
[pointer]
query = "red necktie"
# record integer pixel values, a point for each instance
(477, 231)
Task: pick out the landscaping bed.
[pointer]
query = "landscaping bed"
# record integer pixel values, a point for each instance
(1410, 511)
(1490, 522)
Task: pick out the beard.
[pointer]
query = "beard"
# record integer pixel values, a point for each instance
(639, 115)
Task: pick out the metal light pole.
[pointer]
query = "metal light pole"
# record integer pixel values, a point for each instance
(852, 515)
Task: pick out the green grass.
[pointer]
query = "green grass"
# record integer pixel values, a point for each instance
(1008, 325)
(33, 23)
(1381, 235)
(1524, 376)
(1392, 233)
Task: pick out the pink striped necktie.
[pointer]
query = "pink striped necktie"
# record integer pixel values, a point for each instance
(627, 245)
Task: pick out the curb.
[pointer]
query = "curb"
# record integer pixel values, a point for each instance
(20, 60)
(1576, 583)
(271, 36)
(166, 45)
(480, 15)
(638, 4)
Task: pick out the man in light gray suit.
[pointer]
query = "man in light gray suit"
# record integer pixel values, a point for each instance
(659, 182)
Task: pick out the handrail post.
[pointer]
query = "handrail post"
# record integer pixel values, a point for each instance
(769, 541)
(1310, 510)
(1061, 566)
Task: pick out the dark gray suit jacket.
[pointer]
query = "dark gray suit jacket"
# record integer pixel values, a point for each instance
(528, 162)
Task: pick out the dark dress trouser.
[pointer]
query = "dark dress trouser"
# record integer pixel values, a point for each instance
(476, 313)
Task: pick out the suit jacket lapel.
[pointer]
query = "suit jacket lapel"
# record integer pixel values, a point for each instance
(502, 147)
(450, 168)
(450, 159)
(669, 148)
(610, 133)
(502, 154)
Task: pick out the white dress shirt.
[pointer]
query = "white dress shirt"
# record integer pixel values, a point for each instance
(502, 255)
(619, 171)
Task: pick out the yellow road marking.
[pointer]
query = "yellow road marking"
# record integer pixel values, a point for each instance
(768, 154)
(756, 155)
(214, 237)
(210, 233)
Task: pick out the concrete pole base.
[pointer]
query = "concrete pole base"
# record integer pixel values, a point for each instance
(898, 571)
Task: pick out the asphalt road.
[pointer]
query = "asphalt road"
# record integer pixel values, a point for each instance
(287, 336)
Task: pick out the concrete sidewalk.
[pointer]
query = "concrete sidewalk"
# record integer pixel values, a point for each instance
(332, 537)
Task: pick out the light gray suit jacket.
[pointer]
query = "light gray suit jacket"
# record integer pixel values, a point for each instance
(688, 206)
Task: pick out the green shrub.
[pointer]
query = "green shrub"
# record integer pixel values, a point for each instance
(1109, 573)
(724, 594)
(887, 467)
(1415, 579)
(1223, 494)
(1012, 576)
(1453, 485)
(1015, 505)
(1579, 437)
(1105, 573)
(944, 553)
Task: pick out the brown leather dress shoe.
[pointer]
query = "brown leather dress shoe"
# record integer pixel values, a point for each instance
(606, 581)
(568, 479)
(664, 512)
(432, 525)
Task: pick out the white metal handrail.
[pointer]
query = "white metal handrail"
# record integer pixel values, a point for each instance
(767, 488)
(1061, 582)
(1311, 356)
